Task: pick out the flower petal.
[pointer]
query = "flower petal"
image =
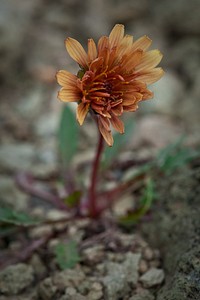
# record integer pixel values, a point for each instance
(149, 60)
(117, 123)
(92, 50)
(151, 76)
(107, 135)
(116, 35)
(125, 45)
(76, 51)
(132, 98)
(69, 95)
(65, 78)
(147, 94)
(81, 112)
(132, 107)
(142, 43)
(103, 44)
(132, 60)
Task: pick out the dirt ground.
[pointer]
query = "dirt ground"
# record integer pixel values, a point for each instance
(32, 35)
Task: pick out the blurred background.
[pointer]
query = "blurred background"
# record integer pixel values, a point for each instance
(32, 35)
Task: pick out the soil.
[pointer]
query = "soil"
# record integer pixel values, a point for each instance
(158, 257)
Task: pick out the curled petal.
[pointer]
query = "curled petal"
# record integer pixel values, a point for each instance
(151, 76)
(96, 64)
(117, 124)
(105, 131)
(65, 78)
(132, 107)
(69, 95)
(76, 51)
(142, 43)
(133, 98)
(149, 60)
(81, 112)
(116, 35)
(92, 50)
(147, 94)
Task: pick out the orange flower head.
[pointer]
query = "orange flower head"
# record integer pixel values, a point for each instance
(113, 78)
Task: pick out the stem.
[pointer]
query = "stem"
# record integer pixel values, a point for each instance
(92, 190)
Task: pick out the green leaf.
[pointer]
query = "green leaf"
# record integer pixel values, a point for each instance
(174, 156)
(67, 255)
(120, 140)
(146, 201)
(68, 135)
(10, 216)
(73, 199)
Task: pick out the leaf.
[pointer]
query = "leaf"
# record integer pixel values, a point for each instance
(73, 199)
(8, 215)
(174, 156)
(146, 202)
(110, 153)
(67, 255)
(68, 135)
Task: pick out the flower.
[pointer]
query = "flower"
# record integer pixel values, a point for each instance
(113, 78)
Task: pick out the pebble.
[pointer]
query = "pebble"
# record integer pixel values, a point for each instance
(15, 157)
(14, 279)
(9, 191)
(148, 253)
(94, 254)
(38, 266)
(143, 295)
(120, 276)
(47, 289)
(143, 266)
(152, 277)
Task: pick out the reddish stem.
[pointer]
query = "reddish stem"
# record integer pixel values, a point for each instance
(92, 201)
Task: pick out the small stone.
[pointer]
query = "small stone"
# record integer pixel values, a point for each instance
(152, 277)
(143, 295)
(96, 291)
(74, 297)
(95, 295)
(121, 276)
(41, 231)
(16, 278)
(70, 291)
(47, 289)
(131, 265)
(148, 253)
(94, 254)
(15, 157)
(69, 278)
(38, 266)
(143, 266)
(96, 286)
(9, 191)
(154, 263)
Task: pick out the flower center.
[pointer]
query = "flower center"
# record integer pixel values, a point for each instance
(108, 87)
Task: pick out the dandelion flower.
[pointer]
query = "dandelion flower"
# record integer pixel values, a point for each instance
(112, 80)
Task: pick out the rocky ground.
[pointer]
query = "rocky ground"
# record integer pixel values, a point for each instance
(158, 259)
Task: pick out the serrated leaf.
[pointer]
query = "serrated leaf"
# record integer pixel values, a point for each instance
(67, 255)
(68, 135)
(146, 201)
(73, 199)
(110, 153)
(10, 216)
